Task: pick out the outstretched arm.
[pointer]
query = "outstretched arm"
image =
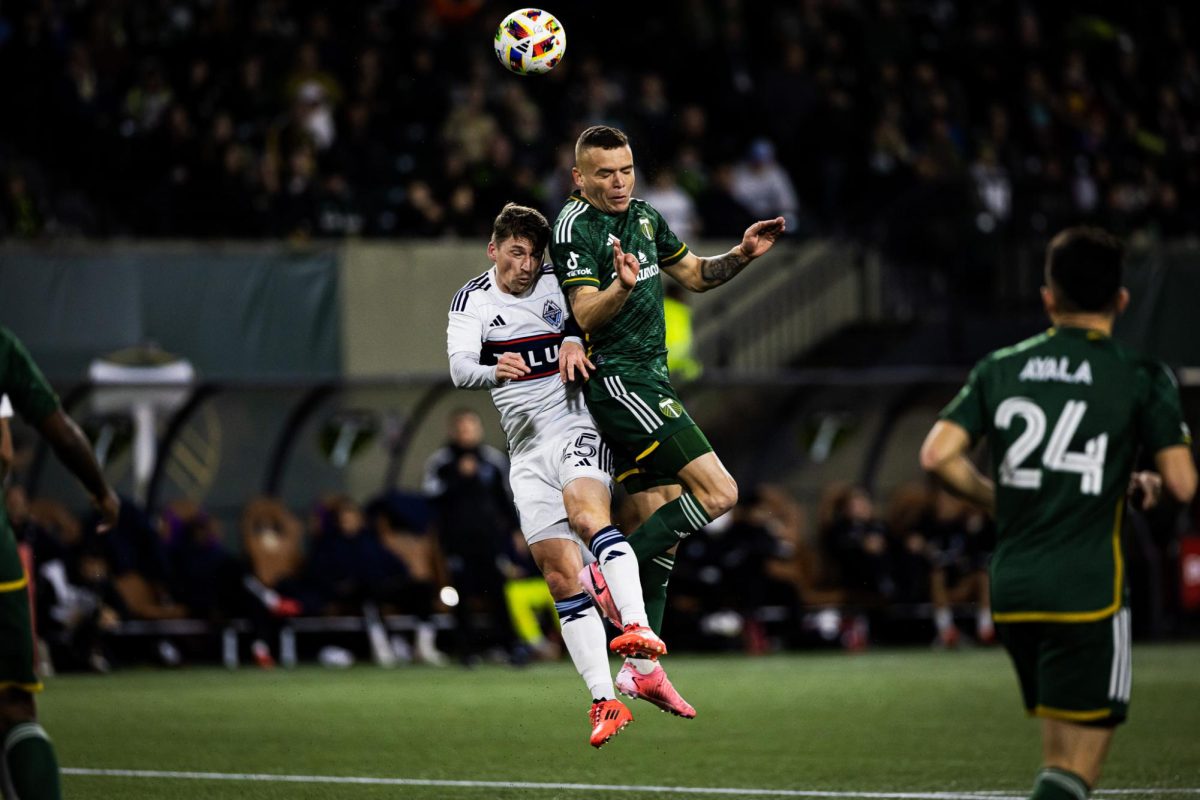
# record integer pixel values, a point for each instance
(944, 454)
(700, 274)
(75, 452)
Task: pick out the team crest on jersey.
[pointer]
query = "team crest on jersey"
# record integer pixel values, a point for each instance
(552, 313)
(647, 231)
(670, 407)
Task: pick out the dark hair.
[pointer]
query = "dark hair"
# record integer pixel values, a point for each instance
(522, 222)
(602, 136)
(1083, 269)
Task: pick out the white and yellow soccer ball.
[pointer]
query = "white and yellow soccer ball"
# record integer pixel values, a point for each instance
(530, 41)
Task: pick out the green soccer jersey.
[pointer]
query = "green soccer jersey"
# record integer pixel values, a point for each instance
(1064, 413)
(581, 249)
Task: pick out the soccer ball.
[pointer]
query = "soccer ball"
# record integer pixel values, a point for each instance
(530, 40)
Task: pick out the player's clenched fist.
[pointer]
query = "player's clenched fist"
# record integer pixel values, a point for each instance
(510, 366)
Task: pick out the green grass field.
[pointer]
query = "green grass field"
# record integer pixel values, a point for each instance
(884, 722)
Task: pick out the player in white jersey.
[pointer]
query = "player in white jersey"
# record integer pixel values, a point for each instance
(506, 333)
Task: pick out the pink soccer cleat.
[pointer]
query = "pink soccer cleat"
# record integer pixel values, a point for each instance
(597, 588)
(638, 641)
(653, 688)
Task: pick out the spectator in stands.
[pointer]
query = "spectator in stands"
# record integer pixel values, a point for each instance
(721, 213)
(676, 205)
(466, 482)
(763, 187)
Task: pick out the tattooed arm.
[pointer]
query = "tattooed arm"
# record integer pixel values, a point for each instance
(701, 274)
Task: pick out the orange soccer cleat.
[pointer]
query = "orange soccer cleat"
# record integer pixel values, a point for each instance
(638, 641)
(608, 718)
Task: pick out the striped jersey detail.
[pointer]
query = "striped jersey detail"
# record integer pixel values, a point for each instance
(460, 300)
(562, 229)
(1120, 679)
(641, 411)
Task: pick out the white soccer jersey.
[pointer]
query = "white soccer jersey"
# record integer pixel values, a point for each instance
(486, 322)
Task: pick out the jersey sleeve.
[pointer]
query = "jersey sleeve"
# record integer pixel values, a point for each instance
(573, 253)
(26, 387)
(1160, 417)
(670, 248)
(967, 408)
(464, 341)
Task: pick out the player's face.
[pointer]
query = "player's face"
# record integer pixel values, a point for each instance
(606, 177)
(517, 265)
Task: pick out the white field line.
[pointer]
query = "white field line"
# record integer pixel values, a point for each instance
(584, 787)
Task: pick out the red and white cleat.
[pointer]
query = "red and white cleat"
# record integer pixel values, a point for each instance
(609, 717)
(638, 641)
(653, 688)
(597, 588)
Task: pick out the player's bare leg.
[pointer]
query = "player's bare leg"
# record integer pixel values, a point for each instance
(612, 582)
(582, 632)
(1072, 756)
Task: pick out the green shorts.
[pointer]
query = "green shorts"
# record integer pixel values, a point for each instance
(16, 625)
(1074, 671)
(646, 426)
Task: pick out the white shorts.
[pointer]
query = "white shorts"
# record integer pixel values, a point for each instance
(539, 476)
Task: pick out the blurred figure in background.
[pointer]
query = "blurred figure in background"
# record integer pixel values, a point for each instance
(856, 542)
(677, 316)
(764, 187)
(958, 537)
(466, 482)
(273, 555)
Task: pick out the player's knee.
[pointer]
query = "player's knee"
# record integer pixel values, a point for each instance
(720, 499)
(561, 584)
(586, 522)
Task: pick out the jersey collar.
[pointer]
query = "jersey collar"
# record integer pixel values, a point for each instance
(1090, 333)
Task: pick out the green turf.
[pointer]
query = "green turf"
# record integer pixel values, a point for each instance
(883, 721)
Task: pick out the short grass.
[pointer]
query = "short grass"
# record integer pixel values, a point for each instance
(882, 721)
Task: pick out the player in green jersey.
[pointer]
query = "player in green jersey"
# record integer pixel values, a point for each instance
(29, 768)
(608, 249)
(1065, 414)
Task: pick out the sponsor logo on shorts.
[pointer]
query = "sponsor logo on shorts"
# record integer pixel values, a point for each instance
(670, 408)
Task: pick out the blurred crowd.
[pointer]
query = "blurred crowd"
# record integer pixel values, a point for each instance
(451, 558)
(920, 125)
